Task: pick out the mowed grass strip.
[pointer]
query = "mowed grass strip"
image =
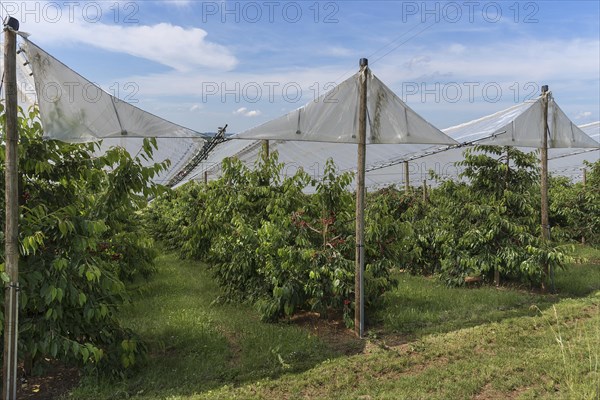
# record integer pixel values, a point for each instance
(196, 345)
(478, 343)
(552, 355)
(422, 305)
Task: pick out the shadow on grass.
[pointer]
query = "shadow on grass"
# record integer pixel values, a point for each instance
(197, 345)
(580, 279)
(421, 306)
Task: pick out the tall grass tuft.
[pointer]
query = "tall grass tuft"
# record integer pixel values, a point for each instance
(579, 347)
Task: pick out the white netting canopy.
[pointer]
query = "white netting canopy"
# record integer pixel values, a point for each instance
(333, 117)
(305, 138)
(520, 125)
(73, 109)
(178, 151)
(570, 162)
(384, 165)
(25, 85)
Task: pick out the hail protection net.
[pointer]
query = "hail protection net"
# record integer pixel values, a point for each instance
(305, 138)
(75, 110)
(570, 162)
(520, 125)
(333, 117)
(25, 86)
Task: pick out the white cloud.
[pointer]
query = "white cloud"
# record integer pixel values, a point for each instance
(247, 113)
(223, 87)
(182, 49)
(196, 107)
(457, 48)
(417, 62)
(583, 114)
(178, 3)
(527, 60)
(338, 51)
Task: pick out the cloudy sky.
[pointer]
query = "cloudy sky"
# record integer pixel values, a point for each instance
(206, 63)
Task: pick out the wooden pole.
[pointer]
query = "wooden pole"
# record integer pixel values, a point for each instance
(544, 183)
(265, 147)
(359, 306)
(265, 159)
(506, 178)
(584, 185)
(424, 190)
(205, 177)
(406, 177)
(11, 288)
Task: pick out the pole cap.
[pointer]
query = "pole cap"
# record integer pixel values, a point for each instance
(12, 23)
(544, 88)
(363, 62)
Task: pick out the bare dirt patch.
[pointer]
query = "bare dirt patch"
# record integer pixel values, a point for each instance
(489, 393)
(234, 347)
(332, 331)
(58, 380)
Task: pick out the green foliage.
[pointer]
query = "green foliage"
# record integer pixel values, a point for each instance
(80, 239)
(307, 249)
(271, 244)
(575, 209)
(389, 238)
(490, 222)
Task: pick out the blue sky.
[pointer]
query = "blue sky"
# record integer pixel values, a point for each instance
(206, 63)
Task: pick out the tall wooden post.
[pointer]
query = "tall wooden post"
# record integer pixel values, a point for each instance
(424, 190)
(205, 177)
(544, 182)
(265, 159)
(359, 306)
(11, 288)
(406, 177)
(506, 179)
(584, 185)
(265, 148)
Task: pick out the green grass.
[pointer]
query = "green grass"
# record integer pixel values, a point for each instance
(582, 278)
(515, 358)
(420, 305)
(196, 345)
(478, 343)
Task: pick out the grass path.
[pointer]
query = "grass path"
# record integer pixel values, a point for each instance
(480, 343)
(515, 358)
(197, 345)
